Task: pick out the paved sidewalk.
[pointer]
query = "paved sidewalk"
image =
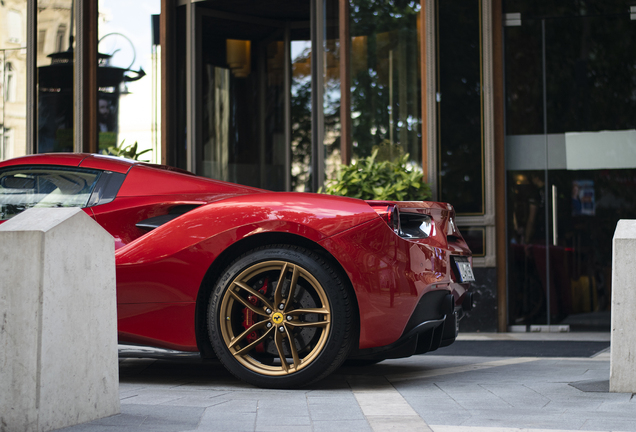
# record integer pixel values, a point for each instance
(437, 393)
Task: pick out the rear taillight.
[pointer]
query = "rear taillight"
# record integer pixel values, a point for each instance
(416, 225)
(391, 215)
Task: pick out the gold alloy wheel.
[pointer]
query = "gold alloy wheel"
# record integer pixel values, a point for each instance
(250, 318)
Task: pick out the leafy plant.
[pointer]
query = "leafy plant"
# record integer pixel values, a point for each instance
(128, 152)
(390, 180)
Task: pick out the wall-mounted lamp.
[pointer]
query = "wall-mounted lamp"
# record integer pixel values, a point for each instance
(238, 57)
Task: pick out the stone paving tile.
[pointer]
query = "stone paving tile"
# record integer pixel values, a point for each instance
(126, 419)
(609, 424)
(342, 425)
(473, 396)
(398, 424)
(258, 394)
(230, 416)
(283, 420)
(619, 406)
(119, 421)
(283, 428)
(575, 404)
(151, 397)
(328, 393)
(627, 415)
(342, 399)
(92, 427)
(429, 400)
(341, 408)
(220, 425)
(130, 387)
(279, 409)
(517, 395)
(145, 417)
(439, 418)
(220, 385)
(156, 416)
(526, 419)
(201, 401)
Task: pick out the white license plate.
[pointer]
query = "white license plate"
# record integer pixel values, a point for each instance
(465, 271)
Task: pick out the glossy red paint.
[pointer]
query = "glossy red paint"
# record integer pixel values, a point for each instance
(160, 273)
(133, 324)
(64, 159)
(120, 216)
(390, 275)
(147, 181)
(107, 163)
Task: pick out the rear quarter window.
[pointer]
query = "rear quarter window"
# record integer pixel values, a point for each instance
(22, 188)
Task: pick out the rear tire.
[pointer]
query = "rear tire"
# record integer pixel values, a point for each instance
(271, 296)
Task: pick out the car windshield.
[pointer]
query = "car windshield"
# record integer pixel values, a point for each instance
(24, 187)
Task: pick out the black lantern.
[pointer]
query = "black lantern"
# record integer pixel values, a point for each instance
(55, 101)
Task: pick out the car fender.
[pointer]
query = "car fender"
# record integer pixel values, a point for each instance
(180, 252)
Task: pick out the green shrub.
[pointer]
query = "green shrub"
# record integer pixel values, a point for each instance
(370, 179)
(128, 152)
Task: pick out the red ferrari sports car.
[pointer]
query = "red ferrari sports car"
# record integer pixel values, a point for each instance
(281, 287)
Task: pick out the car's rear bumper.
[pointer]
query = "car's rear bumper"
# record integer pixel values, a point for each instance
(433, 324)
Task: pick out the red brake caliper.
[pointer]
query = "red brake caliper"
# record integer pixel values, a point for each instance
(249, 317)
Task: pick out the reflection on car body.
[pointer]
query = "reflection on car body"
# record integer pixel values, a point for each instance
(281, 287)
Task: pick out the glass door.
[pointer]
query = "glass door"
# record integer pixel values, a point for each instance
(264, 104)
(571, 160)
(241, 100)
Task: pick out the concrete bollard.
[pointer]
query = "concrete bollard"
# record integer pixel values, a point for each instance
(623, 338)
(58, 321)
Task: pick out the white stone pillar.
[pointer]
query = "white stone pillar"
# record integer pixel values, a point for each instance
(623, 339)
(58, 321)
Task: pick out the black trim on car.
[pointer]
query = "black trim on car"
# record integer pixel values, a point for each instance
(106, 188)
(157, 221)
(432, 325)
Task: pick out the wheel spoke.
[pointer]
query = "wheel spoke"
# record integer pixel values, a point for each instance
(248, 305)
(292, 348)
(326, 317)
(251, 345)
(240, 337)
(278, 292)
(278, 340)
(308, 323)
(319, 311)
(253, 292)
(292, 286)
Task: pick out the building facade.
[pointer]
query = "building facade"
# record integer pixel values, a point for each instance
(518, 112)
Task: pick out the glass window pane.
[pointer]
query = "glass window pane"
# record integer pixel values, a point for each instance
(301, 114)
(178, 156)
(567, 189)
(331, 92)
(12, 79)
(129, 77)
(242, 102)
(475, 239)
(560, 8)
(55, 77)
(460, 135)
(385, 78)
(273, 165)
(23, 188)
